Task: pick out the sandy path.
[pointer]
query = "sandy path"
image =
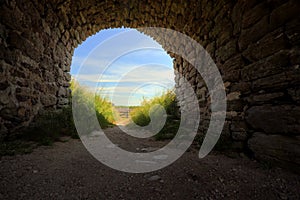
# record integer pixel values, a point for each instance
(68, 171)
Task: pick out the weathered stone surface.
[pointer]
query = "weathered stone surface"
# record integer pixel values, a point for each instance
(254, 33)
(284, 12)
(292, 31)
(231, 68)
(277, 81)
(227, 51)
(239, 136)
(236, 105)
(243, 87)
(271, 65)
(233, 96)
(295, 94)
(253, 15)
(4, 97)
(268, 45)
(62, 92)
(283, 150)
(48, 100)
(63, 101)
(281, 119)
(263, 98)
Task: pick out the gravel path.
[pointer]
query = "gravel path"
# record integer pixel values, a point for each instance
(67, 171)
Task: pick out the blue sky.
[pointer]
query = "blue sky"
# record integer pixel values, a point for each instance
(124, 65)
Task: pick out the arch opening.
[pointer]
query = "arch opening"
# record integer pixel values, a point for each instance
(144, 65)
(127, 69)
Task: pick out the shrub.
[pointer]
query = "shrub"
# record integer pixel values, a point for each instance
(140, 115)
(105, 110)
(50, 125)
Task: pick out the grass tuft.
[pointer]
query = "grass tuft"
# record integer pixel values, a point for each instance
(50, 126)
(140, 115)
(105, 110)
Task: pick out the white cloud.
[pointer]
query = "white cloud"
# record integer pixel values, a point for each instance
(143, 74)
(127, 60)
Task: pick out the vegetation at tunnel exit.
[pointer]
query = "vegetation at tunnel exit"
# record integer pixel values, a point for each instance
(140, 115)
(50, 126)
(105, 110)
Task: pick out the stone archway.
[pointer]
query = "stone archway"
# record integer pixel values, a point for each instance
(255, 45)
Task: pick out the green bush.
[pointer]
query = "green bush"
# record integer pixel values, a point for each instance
(50, 126)
(105, 110)
(140, 115)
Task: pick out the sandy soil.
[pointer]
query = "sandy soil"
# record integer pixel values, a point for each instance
(67, 171)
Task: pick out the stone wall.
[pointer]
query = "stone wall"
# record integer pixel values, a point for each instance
(255, 45)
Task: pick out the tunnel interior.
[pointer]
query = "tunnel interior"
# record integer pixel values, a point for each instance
(255, 45)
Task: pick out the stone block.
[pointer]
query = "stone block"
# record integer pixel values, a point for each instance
(274, 64)
(295, 93)
(284, 13)
(231, 68)
(243, 87)
(227, 51)
(239, 136)
(51, 88)
(277, 81)
(4, 85)
(233, 96)
(278, 149)
(62, 92)
(63, 101)
(295, 56)
(236, 105)
(48, 100)
(255, 14)
(292, 31)
(263, 98)
(22, 97)
(254, 33)
(268, 45)
(4, 97)
(272, 119)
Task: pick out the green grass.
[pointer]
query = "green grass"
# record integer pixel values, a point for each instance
(105, 110)
(140, 115)
(50, 126)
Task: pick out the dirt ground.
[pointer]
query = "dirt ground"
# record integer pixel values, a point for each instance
(67, 171)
